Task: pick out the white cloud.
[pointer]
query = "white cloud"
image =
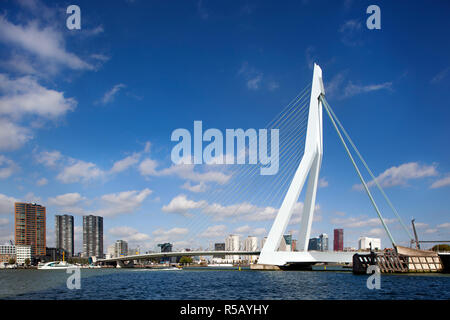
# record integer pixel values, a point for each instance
(48, 158)
(7, 167)
(240, 211)
(440, 76)
(376, 232)
(69, 203)
(352, 89)
(23, 99)
(66, 200)
(125, 163)
(242, 229)
(24, 96)
(110, 94)
(3, 221)
(399, 176)
(341, 88)
(13, 136)
(125, 202)
(148, 167)
(79, 171)
(360, 222)
(217, 231)
(42, 182)
(180, 204)
(441, 183)
(184, 171)
(351, 32)
(46, 44)
(162, 235)
(201, 187)
(444, 225)
(128, 234)
(252, 76)
(323, 183)
(7, 204)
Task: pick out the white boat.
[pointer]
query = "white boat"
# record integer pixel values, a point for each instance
(220, 265)
(56, 265)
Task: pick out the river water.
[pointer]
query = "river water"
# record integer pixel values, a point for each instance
(215, 284)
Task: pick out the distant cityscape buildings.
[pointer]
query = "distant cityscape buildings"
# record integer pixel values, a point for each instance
(338, 242)
(64, 233)
(30, 241)
(92, 236)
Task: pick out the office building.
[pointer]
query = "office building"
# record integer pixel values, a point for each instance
(64, 233)
(319, 243)
(167, 247)
(232, 243)
(338, 242)
(219, 247)
(54, 254)
(120, 248)
(29, 227)
(92, 236)
(323, 242)
(23, 252)
(286, 243)
(364, 243)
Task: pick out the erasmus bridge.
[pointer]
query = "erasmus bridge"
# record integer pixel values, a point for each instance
(306, 174)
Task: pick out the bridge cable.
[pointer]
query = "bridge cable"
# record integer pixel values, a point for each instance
(359, 173)
(368, 170)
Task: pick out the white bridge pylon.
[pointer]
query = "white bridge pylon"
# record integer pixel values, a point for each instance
(309, 167)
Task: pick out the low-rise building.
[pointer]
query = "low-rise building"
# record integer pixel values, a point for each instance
(365, 243)
(7, 252)
(23, 252)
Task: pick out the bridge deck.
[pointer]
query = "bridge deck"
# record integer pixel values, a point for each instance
(179, 254)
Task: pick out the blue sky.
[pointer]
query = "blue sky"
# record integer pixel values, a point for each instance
(86, 115)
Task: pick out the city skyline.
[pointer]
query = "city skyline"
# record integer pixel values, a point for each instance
(99, 143)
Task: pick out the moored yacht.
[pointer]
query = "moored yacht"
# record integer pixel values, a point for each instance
(56, 265)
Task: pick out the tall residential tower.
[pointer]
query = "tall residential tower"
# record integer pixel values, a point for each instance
(93, 236)
(29, 227)
(64, 233)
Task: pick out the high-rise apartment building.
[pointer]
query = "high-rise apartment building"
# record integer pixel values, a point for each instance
(232, 243)
(251, 244)
(338, 242)
(64, 233)
(29, 227)
(93, 236)
(120, 248)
